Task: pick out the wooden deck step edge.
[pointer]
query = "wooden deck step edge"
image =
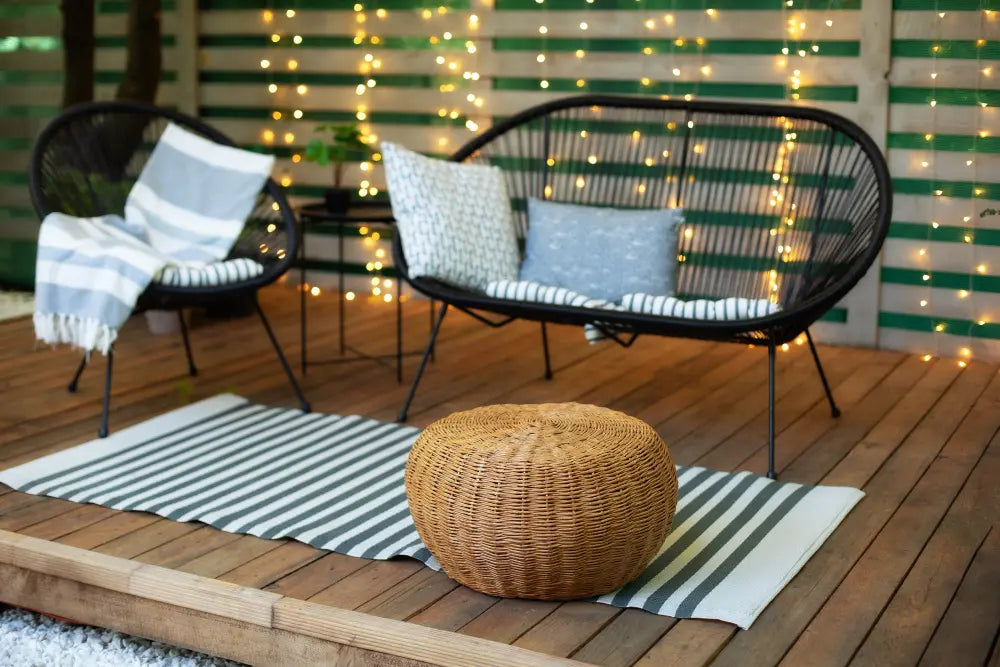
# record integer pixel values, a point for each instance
(252, 608)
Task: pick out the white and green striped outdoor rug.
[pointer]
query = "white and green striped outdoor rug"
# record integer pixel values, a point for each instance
(337, 483)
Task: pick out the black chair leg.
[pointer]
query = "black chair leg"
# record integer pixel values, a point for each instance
(192, 369)
(102, 432)
(770, 411)
(281, 357)
(79, 371)
(545, 349)
(834, 410)
(423, 363)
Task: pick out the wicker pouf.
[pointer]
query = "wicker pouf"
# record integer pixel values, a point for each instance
(551, 501)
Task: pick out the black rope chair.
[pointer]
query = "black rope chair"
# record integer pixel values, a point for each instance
(84, 164)
(783, 203)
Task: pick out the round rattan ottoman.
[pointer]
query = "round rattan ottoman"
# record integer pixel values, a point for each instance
(552, 501)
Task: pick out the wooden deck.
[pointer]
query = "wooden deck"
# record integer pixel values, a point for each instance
(911, 576)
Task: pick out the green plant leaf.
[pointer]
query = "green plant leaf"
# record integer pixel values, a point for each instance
(317, 151)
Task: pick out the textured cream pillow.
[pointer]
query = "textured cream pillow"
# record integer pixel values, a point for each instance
(454, 219)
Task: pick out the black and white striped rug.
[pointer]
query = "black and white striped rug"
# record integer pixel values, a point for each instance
(337, 483)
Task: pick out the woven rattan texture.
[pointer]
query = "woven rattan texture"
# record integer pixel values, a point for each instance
(550, 501)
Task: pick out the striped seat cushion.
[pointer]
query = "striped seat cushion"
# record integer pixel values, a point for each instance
(527, 290)
(731, 308)
(226, 272)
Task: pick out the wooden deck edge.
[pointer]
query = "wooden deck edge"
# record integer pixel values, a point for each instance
(236, 622)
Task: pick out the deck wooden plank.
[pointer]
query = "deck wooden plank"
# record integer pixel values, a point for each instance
(689, 643)
(102, 532)
(842, 624)
(790, 407)
(567, 628)
(455, 609)
(187, 547)
(814, 426)
(366, 583)
(307, 581)
(273, 565)
(410, 596)
(63, 524)
(14, 500)
(971, 626)
(711, 397)
(230, 554)
(141, 540)
(780, 624)
(32, 513)
(909, 620)
(508, 619)
(625, 639)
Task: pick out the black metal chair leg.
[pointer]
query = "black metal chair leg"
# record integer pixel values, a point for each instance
(303, 403)
(102, 432)
(79, 371)
(545, 349)
(192, 369)
(770, 411)
(423, 363)
(834, 410)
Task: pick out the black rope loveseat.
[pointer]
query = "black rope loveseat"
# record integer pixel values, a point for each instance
(789, 204)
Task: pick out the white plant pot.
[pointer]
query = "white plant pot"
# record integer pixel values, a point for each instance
(162, 322)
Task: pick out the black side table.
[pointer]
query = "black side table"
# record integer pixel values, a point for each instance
(316, 216)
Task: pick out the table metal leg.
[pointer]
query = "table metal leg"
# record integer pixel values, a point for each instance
(432, 327)
(340, 288)
(302, 297)
(399, 333)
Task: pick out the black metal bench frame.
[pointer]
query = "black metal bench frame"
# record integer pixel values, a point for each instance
(821, 288)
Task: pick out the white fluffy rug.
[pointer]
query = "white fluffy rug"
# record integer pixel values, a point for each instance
(33, 640)
(15, 304)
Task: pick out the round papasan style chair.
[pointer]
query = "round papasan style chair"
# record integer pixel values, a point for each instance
(84, 164)
(785, 203)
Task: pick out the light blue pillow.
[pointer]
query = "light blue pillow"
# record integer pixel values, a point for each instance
(603, 253)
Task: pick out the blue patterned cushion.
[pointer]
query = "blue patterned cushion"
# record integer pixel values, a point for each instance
(454, 220)
(604, 253)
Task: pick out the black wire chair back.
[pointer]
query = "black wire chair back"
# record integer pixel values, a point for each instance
(84, 164)
(780, 203)
(86, 161)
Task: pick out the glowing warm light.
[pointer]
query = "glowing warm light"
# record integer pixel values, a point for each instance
(927, 357)
(302, 89)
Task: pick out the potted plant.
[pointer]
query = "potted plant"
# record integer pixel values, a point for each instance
(344, 143)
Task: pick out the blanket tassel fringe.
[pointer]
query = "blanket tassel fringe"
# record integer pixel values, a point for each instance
(85, 333)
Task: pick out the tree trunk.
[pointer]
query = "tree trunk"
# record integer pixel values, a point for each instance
(78, 51)
(142, 69)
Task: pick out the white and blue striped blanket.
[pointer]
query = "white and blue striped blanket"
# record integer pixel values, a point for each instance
(182, 216)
